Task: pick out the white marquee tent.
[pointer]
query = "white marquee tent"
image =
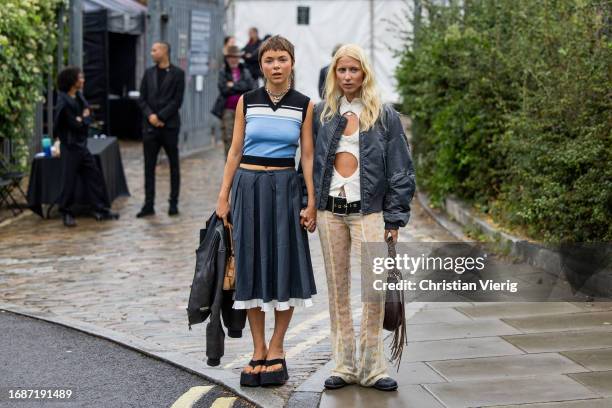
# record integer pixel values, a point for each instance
(316, 26)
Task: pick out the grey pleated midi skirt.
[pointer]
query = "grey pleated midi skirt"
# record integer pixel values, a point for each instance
(272, 257)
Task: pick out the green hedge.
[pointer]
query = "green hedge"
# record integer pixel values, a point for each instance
(27, 41)
(511, 102)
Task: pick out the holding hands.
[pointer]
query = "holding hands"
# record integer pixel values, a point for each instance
(308, 218)
(308, 215)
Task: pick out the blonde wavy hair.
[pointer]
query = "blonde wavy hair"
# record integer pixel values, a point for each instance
(368, 93)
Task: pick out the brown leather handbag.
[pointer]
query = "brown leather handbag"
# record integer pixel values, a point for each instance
(229, 277)
(395, 312)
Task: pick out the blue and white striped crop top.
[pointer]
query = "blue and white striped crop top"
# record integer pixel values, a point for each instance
(273, 131)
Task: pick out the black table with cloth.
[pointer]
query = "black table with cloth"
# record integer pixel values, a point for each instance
(45, 184)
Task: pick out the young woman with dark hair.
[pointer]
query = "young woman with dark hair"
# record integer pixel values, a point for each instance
(228, 41)
(272, 257)
(251, 53)
(71, 124)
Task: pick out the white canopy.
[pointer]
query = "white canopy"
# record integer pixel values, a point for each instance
(376, 25)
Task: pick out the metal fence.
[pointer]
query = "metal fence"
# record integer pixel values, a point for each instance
(171, 21)
(194, 30)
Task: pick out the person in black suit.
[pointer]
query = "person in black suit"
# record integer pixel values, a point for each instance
(161, 96)
(71, 122)
(323, 74)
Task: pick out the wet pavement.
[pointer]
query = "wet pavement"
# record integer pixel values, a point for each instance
(132, 276)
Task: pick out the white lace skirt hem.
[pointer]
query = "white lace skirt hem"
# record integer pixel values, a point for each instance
(272, 305)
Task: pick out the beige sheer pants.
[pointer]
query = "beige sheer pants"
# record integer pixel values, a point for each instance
(341, 239)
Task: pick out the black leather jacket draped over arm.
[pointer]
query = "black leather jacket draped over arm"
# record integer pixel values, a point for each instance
(208, 299)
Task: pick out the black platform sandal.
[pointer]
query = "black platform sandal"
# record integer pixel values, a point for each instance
(251, 379)
(276, 377)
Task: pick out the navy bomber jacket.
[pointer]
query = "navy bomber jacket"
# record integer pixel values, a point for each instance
(386, 171)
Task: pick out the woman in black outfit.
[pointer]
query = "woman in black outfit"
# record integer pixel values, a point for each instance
(251, 53)
(71, 125)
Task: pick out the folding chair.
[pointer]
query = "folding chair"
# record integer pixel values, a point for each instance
(6, 197)
(14, 176)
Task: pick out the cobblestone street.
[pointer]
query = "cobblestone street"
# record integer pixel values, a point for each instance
(133, 275)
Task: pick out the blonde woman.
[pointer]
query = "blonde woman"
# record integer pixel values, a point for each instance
(364, 182)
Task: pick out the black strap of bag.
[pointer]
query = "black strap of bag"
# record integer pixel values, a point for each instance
(395, 312)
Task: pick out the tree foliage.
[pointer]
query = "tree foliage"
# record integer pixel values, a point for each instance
(512, 108)
(27, 41)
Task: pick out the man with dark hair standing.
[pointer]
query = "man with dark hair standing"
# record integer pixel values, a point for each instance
(161, 96)
(71, 124)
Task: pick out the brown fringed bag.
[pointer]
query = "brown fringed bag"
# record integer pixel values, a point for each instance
(395, 312)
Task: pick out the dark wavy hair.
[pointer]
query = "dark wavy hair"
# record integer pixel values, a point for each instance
(67, 78)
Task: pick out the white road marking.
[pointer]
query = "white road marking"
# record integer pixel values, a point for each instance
(305, 325)
(237, 360)
(223, 402)
(192, 396)
(294, 331)
(314, 338)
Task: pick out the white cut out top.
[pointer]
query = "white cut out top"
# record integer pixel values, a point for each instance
(348, 187)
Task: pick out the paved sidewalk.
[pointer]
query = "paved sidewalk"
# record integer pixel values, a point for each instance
(132, 276)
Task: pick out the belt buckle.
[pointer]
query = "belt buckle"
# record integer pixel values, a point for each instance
(334, 208)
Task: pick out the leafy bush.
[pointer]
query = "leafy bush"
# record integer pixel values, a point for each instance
(27, 41)
(512, 108)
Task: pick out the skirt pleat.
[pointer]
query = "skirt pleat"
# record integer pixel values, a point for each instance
(272, 256)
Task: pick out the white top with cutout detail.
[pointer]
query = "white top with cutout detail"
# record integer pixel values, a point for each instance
(348, 187)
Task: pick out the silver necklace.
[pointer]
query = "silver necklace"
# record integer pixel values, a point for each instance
(277, 97)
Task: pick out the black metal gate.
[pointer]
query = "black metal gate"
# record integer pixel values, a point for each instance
(194, 30)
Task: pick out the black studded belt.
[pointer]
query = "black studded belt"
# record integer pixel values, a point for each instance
(339, 206)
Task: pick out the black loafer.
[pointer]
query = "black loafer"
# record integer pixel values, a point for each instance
(386, 384)
(334, 382)
(277, 377)
(251, 379)
(173, 210)
(145, 212)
